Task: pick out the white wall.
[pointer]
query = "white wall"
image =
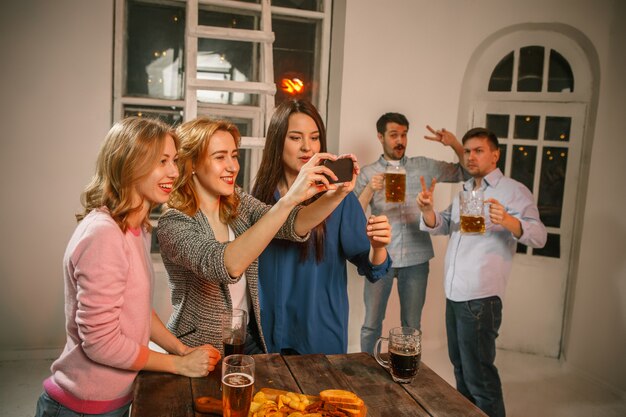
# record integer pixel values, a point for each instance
(410, 56)
(56, 108)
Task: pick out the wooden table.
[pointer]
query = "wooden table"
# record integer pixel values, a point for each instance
(166, 395)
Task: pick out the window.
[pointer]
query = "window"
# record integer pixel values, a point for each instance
(152, 58)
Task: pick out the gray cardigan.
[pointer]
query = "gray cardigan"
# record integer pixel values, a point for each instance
(198, 279)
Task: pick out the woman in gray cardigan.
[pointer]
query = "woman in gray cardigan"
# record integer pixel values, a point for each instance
(212, 234)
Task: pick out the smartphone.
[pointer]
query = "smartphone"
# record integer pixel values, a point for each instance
(343, 169)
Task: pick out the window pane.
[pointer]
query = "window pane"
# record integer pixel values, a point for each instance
(298, 4)
(226, 19)
(498, 124)
(552, 248)
(523, 165)
(526, 127)
(521, 248)
(154, 51)
(560, 76)
(502, 75)
(170, 115)
(552, 185)
(530, 70)
(294, 59)
(502, 160)
(557, 128)
(226, 60)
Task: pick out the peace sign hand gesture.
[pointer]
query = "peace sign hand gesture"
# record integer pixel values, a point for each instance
(425, 197)
(425, 202)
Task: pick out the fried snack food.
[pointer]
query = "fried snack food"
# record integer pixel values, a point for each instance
(336, 403)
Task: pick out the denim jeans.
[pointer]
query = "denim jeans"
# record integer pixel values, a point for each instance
(412, 282)
(472, 328)
(47, 407)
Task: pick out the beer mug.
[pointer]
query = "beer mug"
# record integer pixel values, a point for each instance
(237, 385)
(471, 211)
(395, 184)
(234, 331)
(405, 353)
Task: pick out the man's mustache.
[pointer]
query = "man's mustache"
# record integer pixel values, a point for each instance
(399, 147)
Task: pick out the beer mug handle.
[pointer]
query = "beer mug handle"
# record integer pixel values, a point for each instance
(380, 360)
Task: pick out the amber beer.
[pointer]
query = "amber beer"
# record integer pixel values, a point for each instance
(395, 187)
(471, 206)
(472, 224)
(237, 394)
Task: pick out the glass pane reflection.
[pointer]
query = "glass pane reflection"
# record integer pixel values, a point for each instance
(530, 69)
(523, 165)
(498, 124)
(299, 4)
(557, 128)
(294, 59)
(560, 76)
(154, 51)
(526, 127)
(502, 76)
(502, 161)
(552, 185)
(173, 116)
(552, 248)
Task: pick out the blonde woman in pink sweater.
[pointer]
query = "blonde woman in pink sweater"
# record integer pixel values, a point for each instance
(109, 280)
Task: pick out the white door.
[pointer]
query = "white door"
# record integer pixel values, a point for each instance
(540, 146)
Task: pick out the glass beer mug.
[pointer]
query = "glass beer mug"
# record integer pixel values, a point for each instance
(405, 353)
(471, 205)
(395, 183)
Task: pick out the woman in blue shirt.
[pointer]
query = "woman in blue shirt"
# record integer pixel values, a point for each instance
(303, 287)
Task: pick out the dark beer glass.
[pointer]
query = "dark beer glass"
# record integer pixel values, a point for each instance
(405, 353)
(234, 331)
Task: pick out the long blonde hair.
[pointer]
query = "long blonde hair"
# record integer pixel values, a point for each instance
(129, 153)
(195, 136)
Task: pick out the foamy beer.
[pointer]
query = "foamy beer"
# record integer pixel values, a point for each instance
(471, 211)
(405, 353)
(395, 184)
(237, 385)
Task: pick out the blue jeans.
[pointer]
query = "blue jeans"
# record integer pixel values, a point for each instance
(472, 328)
(47, 407)
(412, 282)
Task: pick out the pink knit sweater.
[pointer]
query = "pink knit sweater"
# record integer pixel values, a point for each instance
(108, 298)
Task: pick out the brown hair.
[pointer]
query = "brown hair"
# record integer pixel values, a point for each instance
(195, 136)
(272, 170)
(129, 153)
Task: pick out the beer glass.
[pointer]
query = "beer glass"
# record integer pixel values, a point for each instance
(234, 331)
(237, 385)
(395, 184)
(405, 353)
(471, 211)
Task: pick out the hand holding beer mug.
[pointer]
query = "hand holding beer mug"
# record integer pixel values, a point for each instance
(395, 183)
(471, 211)
(405, 353)
(234, 331)
(237, 385)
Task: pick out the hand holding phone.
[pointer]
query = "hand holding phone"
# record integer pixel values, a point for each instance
(343, 168)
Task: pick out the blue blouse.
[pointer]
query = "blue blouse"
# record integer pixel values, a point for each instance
(304, 305)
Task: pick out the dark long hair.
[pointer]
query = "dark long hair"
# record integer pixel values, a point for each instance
(272, 169)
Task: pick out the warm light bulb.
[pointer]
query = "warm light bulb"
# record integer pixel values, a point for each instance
(292, 86)
(528, 118)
